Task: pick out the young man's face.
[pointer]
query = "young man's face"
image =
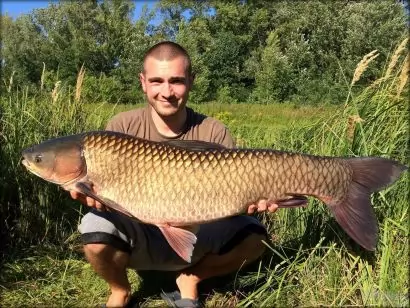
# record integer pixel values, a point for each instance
(166, 84)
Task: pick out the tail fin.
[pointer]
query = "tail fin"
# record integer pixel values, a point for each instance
(355, 213)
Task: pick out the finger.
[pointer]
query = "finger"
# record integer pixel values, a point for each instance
(262, 205)
(101, 207)
(79, 197)
(90, 202)
(273, 207)
(251, 209)
(74, 194)
(98, 205)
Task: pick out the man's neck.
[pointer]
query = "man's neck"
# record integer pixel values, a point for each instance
(170, 126)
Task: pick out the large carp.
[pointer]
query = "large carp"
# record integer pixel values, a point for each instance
(178, 185)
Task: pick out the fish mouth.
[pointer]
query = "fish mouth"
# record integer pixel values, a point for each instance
(26, 164)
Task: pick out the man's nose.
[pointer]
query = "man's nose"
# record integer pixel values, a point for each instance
(166, 90)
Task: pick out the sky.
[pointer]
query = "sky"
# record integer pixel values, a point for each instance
(14, 8)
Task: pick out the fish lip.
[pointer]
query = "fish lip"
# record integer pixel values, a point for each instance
(25, 163)
(24, 157)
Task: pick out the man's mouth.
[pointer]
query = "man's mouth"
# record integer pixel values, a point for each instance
(173, 102)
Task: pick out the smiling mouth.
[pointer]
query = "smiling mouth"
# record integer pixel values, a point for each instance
(169, 102)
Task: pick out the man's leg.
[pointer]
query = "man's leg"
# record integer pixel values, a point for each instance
(212, 265)
(110, 263)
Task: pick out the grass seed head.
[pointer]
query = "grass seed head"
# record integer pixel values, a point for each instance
(404, 75)
(55, 93)
(351, 125)
(395, 57)
(362, 65)
(79, 84)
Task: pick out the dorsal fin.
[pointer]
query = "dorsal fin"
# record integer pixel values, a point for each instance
(195, 145)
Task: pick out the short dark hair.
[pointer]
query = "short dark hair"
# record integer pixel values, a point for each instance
(168, 50)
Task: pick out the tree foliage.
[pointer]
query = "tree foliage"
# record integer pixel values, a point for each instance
(242, 50)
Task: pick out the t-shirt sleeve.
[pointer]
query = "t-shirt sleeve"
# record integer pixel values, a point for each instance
(224, 138)
(116, 125)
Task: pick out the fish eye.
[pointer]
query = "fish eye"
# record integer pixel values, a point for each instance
(38, 158)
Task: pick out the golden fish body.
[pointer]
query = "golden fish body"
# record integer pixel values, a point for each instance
(179, 184)
(160, 183)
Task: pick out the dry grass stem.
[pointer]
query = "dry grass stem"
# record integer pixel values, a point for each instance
(351, 125)
(404, 75)
(392, 64)
(395, 57)
(42, 77)
(55, 93)
(79, 83)
(362, 65)
(377, 82)
(10, 82)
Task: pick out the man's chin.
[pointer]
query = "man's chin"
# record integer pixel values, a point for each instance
(166, 110)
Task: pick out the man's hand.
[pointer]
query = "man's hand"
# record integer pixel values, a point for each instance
(87, 200)
(263, 205)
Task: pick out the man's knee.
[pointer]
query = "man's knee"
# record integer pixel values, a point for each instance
(253, 246)
(95, 249)
(97, 253)
(248, 250)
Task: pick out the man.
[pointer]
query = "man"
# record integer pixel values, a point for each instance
(113, 242)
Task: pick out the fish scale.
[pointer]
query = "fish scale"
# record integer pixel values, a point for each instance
(179, 184)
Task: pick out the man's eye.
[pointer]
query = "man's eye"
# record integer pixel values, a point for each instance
(38, 158)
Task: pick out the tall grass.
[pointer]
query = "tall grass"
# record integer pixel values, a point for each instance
(30, 209)
(310, 261)
(328, 268)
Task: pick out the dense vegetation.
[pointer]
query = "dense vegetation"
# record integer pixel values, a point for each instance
(256, 51)
(310, 260)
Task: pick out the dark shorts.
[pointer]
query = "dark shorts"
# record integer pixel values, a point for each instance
(147, 246)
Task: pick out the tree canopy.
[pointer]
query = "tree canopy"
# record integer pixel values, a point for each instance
(254, 50)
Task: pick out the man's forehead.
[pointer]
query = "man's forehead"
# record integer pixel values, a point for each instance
(177, 64)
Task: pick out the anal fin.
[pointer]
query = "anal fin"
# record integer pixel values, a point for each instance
(180, 239)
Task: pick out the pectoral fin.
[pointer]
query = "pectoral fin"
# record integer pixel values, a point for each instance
(180, 239)
(86, 190)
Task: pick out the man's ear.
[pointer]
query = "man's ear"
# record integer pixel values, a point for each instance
(142, 80)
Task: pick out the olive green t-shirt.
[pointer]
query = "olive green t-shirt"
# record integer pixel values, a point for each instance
(139, 123)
